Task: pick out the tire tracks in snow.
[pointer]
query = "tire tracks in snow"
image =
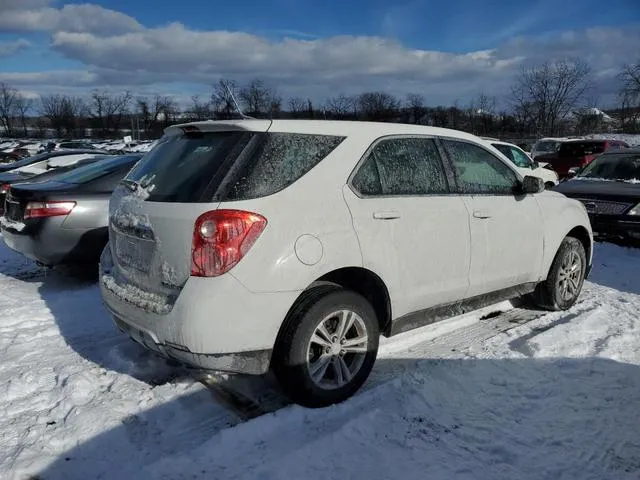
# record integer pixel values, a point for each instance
(251, 397)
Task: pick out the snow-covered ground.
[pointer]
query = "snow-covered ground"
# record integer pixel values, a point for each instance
(630, 139)
(520, 395)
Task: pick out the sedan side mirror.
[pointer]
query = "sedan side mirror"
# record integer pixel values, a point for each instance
(573, 171)
(531, 184)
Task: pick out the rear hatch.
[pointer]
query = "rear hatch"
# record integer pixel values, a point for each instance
(576, 154)
(191, 171)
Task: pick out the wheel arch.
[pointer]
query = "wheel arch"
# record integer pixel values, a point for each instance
(368, 284)
(582, 234)
(357, 279)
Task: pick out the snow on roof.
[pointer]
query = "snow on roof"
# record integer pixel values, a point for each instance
(323, 127)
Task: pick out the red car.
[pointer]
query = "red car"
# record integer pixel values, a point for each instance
(578, 153)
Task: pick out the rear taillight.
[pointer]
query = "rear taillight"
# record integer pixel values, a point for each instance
(4, 188)
(47, 209)
(221, 238)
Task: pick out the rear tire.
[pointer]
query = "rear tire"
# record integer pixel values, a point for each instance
(561, 289)
(549, 185)
(327, 347)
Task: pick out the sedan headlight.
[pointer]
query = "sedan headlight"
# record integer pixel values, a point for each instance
(635, 210)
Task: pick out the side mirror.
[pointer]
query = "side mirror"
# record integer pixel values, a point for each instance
(535, 165)
(531, 184)
(573, 171)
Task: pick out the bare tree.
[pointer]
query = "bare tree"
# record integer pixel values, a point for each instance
(377, 106)
(144, 112)
(8, 96)
(482, 113)
(255, 97)
(297, 105)
(341, 106)
(630, 77)
(200, 109)
(62, 111)
(222, 97)
(547, 93)
(275, 103)
(629, 96)
(259, 99)
(108, 109)
(23, 106)
(163, 109)
(415, 104)
(486, 104)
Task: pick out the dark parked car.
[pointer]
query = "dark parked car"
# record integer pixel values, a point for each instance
(17, 176)
(64, 220)
(5, 167)
(609, 187)
(578, 153)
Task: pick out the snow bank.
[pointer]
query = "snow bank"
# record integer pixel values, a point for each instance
(628, 138)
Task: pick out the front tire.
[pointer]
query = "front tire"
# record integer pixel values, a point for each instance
(327, 347)
(561, 289)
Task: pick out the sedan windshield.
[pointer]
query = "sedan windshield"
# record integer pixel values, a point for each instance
(618, 167)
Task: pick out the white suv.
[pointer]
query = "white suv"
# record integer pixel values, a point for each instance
(292, 245)
(525, 164)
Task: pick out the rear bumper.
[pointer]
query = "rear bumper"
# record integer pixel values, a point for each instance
(50, 244)
(250, 363)
(214, 323)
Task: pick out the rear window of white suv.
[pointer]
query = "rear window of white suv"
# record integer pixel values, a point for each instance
(224, 166)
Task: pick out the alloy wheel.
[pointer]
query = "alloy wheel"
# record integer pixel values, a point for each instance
(337, 349)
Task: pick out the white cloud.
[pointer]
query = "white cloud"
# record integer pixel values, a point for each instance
(6, 5)
(70, 18)
(348, 63)
(72, 78)
(119, 52)
(10, 48)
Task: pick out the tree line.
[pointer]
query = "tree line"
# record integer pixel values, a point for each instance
(545, 100)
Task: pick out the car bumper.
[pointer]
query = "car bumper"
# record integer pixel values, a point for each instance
(213, 324)
(49, 244)
(615, 225)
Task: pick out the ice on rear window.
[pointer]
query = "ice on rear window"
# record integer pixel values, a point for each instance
(222, 166)
(282, 159)
(125, 209)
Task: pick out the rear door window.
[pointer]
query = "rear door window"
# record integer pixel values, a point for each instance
(225, 166)
(402, 166)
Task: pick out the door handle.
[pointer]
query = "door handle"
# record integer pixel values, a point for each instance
(386, 215)
(482, 214)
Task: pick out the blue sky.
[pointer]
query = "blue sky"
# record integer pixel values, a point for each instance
(447, 50)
